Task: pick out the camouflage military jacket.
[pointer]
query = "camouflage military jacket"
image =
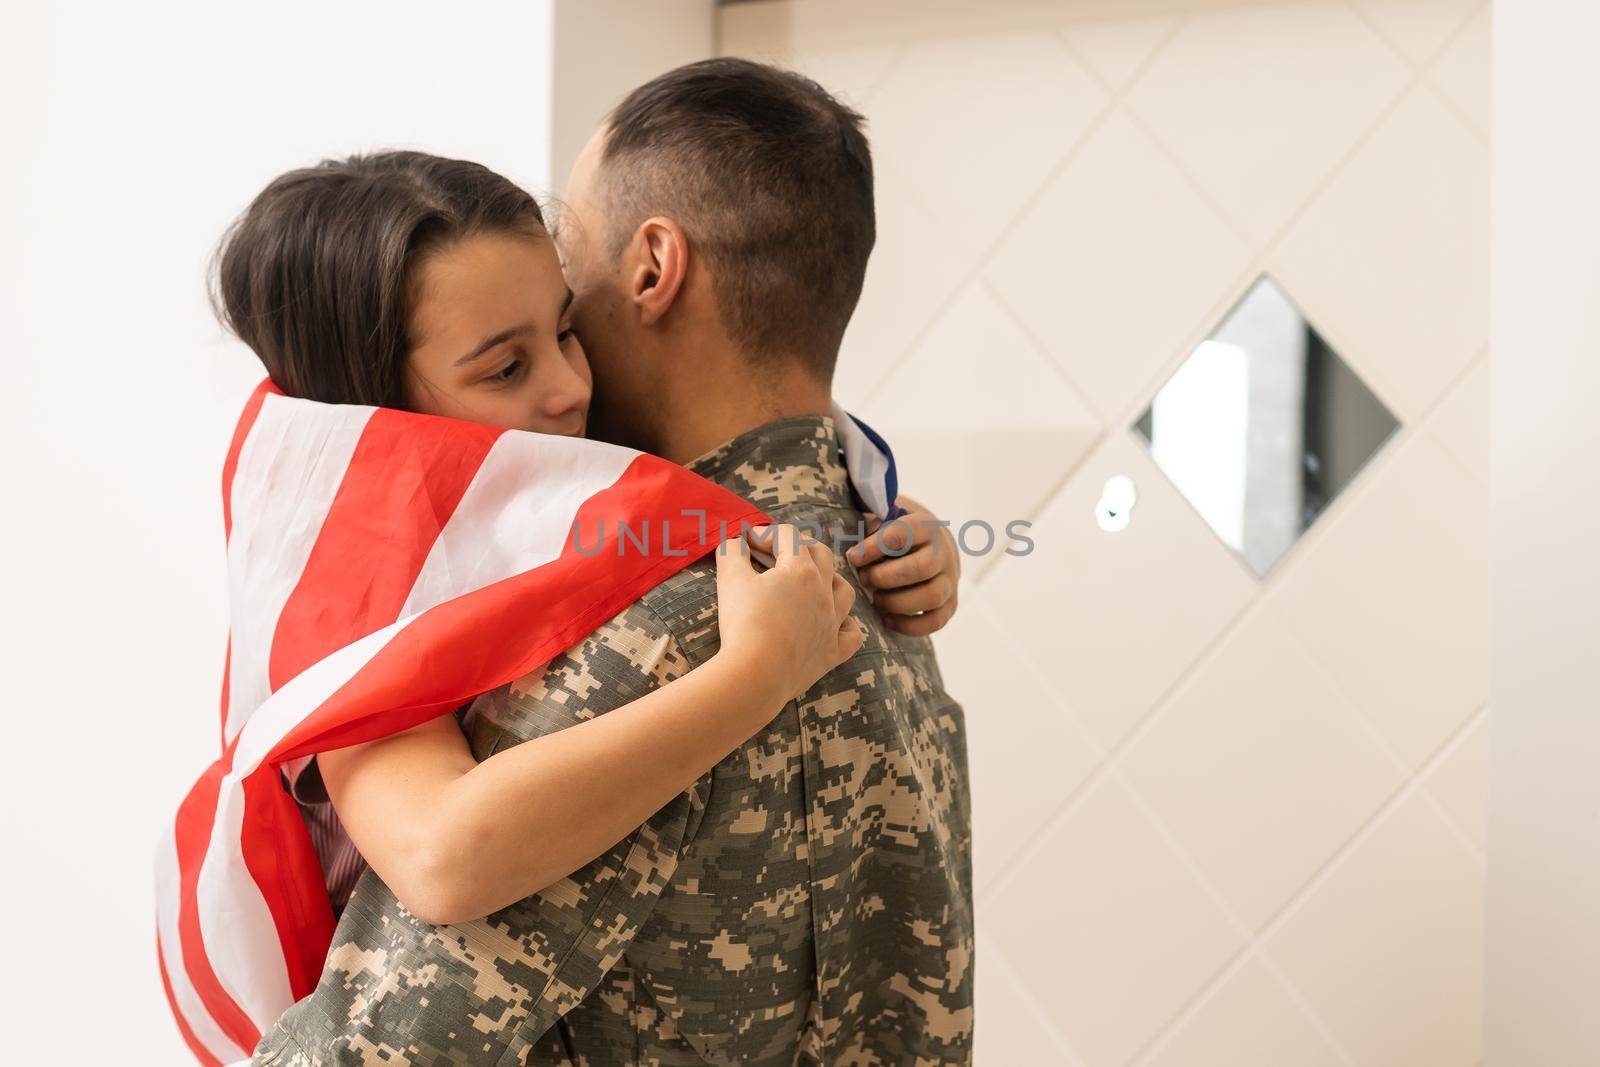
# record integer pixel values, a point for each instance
(807, 902)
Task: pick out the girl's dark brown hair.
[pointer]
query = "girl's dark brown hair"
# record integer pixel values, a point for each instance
(316, 273)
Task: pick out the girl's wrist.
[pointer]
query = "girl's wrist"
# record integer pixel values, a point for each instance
(763, 685)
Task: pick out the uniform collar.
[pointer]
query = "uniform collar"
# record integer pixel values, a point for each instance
(790, 461)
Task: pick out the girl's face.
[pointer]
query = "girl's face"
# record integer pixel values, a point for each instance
(492, 339)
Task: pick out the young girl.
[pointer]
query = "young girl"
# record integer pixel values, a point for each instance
(334, 276)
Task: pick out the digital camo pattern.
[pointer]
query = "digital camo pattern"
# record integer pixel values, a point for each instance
(807, 902)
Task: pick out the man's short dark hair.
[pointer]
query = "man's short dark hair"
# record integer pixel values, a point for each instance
(771, 179)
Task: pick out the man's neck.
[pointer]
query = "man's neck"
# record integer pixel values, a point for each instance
(715, 416)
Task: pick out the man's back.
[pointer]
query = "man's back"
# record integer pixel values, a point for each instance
(808, 901)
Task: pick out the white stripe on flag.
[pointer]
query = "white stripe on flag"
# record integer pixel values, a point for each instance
(235, 923)
(509, 521)
(290, 467)
(168, 900)
(868, 466)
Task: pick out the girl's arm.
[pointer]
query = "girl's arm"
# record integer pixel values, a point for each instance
(455, 839)
(913, 569)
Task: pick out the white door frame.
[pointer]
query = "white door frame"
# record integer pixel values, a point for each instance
(1543, 902)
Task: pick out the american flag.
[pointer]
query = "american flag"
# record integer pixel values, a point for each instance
(385, 567)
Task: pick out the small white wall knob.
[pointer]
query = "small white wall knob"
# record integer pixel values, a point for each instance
(1115, 506)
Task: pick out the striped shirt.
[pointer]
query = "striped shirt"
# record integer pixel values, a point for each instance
(342, 863)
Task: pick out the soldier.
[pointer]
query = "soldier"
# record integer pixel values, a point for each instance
(809, 900)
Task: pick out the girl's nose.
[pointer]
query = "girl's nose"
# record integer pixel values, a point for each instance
(564, 391)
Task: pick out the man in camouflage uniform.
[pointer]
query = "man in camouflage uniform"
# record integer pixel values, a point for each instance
(808, 901)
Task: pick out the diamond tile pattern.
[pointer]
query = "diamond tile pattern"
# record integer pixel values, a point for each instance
(1462, 71)
(1114, 620)
(1219, 821)
(1459, 781)
(1461, 421)
(1005, 404)
(1393, 600)
(1018, 1029)
(1391, 261)
(1305, 769)
(911, 270)
(1401, 983)
(976, 651)
(1418, 28)
(1120, 933)
(1292, 111)
(1119, 234)
(1116, 50)
(953, 139)
(1251, 1017)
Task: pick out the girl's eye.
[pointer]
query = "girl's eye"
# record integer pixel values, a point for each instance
(507, 373)
(565, 335)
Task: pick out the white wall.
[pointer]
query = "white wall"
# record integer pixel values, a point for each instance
(133, 133)
(1544, 831)
(606, 47)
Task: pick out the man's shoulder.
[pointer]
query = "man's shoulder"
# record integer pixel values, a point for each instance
(672, 618)
(663, 635)
(684, 605)
(678, 612)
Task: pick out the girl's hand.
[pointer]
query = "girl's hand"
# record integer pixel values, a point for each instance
(913, 569)
(787, 626)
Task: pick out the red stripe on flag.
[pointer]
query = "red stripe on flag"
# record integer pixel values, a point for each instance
(201, 1053)
(277, 850)
(403, 482)
(247, 422)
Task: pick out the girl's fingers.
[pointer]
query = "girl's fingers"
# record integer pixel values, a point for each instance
(850, 638)
(844, 596)
(821, 557)
(781, 541)
(733, 563)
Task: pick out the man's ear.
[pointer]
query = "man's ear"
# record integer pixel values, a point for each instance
(660, 255)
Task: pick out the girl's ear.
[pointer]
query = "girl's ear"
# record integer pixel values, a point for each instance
(660, 254)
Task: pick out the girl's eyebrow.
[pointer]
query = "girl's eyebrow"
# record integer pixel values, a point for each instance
(505, 335)
(489, 342)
